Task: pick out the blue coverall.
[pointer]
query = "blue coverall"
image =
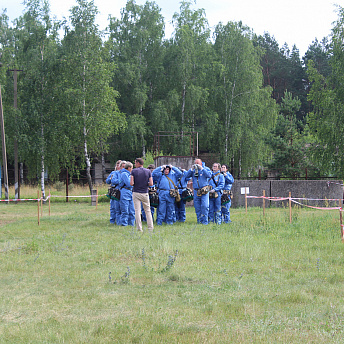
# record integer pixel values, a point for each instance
(117, 181)
(126, 203)
(113, 203)
(165, 210)
(201, 203)
(179, 207)
(229, 180)
(217, 182)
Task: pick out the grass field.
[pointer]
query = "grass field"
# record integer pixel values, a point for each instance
(78, 279)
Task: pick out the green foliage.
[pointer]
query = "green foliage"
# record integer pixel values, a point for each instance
(245, 108)
(83, 96)
(327, 97)
(290, 143)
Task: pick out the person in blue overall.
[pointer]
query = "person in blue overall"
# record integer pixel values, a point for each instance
(179, 207)
(117, 182)
(112, 179)
(166, 178)
(229, 180)
(217, 182)
(200, 178)
(126, 201)
(144, 218)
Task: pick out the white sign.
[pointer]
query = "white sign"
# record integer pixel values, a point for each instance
(245, 190)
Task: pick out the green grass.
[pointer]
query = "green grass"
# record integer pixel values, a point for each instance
(78, 279)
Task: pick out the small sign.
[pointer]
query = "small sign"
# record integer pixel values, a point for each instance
(245, 190)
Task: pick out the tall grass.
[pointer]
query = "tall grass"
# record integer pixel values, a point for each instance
(78, 279)
(58, 192)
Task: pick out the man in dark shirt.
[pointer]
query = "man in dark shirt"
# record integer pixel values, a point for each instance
(141, 178)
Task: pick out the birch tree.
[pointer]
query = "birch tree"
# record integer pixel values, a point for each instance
(89, 102)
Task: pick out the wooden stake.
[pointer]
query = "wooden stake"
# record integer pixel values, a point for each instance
(49, 201)
(97, 199)
(290, 207)
(38, 205)
(246, 199)
(41, 204)
(341, 219)
(263, 202)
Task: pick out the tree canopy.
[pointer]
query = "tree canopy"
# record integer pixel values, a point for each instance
(83, 93)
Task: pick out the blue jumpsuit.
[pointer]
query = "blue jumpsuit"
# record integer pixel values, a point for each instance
(217, 182)
(117, 181)
(201, 203)
(229, 180)
(179, 207)
(113, 203)
(165, 210)
(126, 203)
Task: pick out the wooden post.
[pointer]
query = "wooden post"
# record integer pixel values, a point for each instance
(3, 141)
(263, 202)
(49, 201)
(341, 219)
(38, 205)
(290, 207)
(97, 199)
(246, 199)
(67, 199)
(41, 204)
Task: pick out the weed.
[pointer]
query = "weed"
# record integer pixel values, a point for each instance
(170, 262)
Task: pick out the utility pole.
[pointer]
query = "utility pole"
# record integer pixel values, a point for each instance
(4, 157)
(16, 174)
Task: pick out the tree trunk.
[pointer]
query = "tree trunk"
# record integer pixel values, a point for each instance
(103, 167)
(21, 169)
(88, 165)
(42, 177)
(183, 106)
(229, 114)
(87, 159)
(143, 147)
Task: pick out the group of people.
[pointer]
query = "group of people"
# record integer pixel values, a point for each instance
(211, 193)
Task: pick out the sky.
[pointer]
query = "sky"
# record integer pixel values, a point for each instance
(296, 22)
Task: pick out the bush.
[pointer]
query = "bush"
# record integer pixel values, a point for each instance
(59, 186)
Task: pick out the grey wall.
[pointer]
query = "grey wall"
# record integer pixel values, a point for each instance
(315, 189)
(184, 162)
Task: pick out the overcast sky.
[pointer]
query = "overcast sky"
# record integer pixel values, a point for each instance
(296, 22)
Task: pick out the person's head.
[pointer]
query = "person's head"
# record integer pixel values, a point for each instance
(139, 162)
(151, 167)
(198, 162)
(128, 166)
(122, 164)
(224, 168)
(118, 164)
(167, 170)
(216, 167)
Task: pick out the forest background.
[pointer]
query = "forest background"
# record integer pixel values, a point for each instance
(85, 94)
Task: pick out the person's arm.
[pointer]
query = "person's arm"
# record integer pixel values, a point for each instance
(127, 180)
(220, 183)
(177, 171)
(132, 180)
(150, 181)
(207, 172)
(188, 174)
(108, 179)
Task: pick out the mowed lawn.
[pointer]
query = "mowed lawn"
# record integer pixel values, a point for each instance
(77, 279)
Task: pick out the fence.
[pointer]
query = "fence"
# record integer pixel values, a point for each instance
(297, 201)
(315, 190)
